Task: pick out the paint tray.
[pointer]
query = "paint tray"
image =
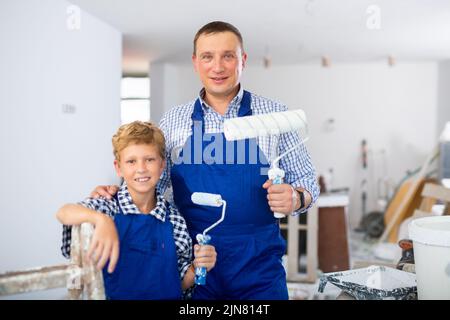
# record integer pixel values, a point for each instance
(373, 283)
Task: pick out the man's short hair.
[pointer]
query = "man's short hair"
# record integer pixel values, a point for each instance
(216, 27)
(138, 132)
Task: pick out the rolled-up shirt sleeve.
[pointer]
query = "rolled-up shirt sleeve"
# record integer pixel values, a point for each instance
(299, 170)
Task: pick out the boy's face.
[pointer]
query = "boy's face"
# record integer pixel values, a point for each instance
(141, 167)
(219, 61)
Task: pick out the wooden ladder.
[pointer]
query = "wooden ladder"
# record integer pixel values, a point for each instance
(80, 276)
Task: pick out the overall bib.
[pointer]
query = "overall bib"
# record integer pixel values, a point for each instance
(248, 242)
(147, 267)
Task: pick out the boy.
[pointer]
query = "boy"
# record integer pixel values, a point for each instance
(155, 247)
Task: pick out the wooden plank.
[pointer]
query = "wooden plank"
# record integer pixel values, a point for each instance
(92, 278)
(398, 212)
(409, 205)
(312, 247)
(311, 227)
(74, 282)
(33, 280)
(437, 192)
(292, 242)
(427, 204)
(86, 281)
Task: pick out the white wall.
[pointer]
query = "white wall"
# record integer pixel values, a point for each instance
(164, 90)
(171, 85)
(395, 109)
(443, 95)
(49, 157)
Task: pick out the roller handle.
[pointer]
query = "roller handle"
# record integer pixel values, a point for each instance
(200, 272)
(277, 175)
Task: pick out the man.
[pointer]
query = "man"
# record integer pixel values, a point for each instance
(248, 242)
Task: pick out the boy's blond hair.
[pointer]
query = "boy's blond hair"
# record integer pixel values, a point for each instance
(138, 132)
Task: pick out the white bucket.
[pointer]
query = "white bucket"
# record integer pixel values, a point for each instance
(431, 240)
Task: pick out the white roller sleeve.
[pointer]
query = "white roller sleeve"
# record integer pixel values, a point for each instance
(265, 124)
(206, 199)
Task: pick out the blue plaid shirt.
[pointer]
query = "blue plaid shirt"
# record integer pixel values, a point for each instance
(299, 171)
(183, 241)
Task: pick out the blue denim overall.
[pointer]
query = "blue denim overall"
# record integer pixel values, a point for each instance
(147, 267)
(248, 242)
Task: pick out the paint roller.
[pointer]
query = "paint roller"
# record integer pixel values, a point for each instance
(213, 200)
(269, 124)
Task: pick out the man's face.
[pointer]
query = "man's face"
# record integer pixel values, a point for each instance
(141, 166)
(219, 61)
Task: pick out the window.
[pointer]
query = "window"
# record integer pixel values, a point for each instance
(135, 104)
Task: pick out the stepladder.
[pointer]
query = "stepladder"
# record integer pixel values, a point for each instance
(79, 276)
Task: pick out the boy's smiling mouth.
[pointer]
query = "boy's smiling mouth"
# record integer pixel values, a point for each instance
(144, 179)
